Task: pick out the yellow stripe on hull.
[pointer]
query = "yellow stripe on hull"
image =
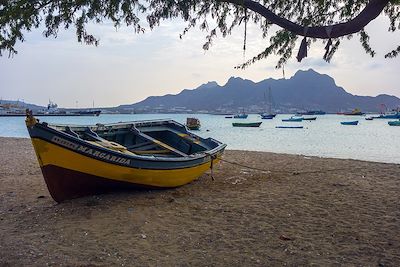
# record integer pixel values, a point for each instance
(50, 154)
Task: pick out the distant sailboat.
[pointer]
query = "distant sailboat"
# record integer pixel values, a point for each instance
(268, 115)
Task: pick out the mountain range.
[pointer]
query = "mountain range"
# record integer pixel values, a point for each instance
(306, 90)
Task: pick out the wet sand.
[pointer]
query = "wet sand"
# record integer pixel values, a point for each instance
(295, 211)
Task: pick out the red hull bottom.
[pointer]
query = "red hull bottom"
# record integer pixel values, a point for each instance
(64, 184)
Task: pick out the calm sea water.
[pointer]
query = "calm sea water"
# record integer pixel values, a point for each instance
(326, 137)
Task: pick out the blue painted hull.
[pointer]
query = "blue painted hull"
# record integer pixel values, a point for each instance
(349, 122)
(267, 117)
(289, 127)
(293, 120)
(394, 123)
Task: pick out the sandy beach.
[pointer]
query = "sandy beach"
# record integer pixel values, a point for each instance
(288, 210)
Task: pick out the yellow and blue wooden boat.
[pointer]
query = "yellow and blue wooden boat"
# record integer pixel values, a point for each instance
(84, 160)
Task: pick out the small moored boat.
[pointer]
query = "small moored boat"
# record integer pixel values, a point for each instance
(267, 116)
(349, 122)
(193, 124)
(309, 118)
(289, 127)
(293, 119)
(394, 115)
(354, 112)
(241, 116)
(246, 124)
(394, 123)
(84, 160)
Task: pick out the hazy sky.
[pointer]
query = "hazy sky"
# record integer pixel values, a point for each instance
(127, 68)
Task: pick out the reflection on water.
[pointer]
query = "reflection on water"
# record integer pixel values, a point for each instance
(370, 140)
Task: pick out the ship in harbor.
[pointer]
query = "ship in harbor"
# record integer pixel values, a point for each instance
(87, 112)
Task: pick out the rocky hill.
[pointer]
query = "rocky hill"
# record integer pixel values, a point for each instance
(306, 90)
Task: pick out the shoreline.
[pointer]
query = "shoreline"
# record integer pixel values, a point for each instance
(260, 151)
(302, 210)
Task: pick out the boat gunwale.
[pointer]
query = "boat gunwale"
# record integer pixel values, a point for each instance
(152, 158)
(115, 123)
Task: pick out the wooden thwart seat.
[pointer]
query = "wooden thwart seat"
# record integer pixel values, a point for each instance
(70, 132)
(158, 142)
(96, 139)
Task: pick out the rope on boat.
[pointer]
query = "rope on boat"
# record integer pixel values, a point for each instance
(284, 172)
(245, 166)
(212, 166)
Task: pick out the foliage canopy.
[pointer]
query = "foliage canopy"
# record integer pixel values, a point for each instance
(329, 20)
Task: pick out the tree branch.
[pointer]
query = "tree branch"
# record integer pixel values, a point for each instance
(369, 13)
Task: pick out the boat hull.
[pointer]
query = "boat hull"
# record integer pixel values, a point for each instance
(394, 123)
(193, 127)
(69, 174)
(267, 117)
(349, 123)
(310, 119)
(289, 127)
(250, 124)
(73, 167)
(240, 116)
(64, 184)
(88, 113)
(293, 120)
(388, 116)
